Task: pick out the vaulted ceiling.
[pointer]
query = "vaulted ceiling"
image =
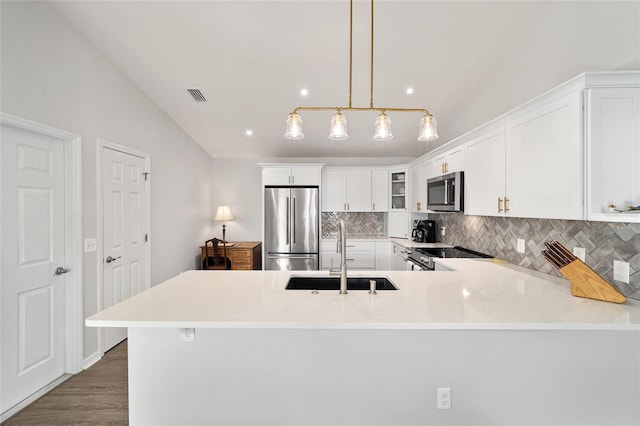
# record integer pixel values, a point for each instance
(250, 59)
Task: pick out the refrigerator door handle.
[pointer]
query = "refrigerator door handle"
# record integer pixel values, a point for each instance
(288, 219)
(293, 221)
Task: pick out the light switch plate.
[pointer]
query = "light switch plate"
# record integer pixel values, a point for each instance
(621, 271)
(580, 253)
(520, 245)
(90, 245)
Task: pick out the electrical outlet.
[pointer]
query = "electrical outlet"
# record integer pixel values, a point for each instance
(90, 245)
(580, 253)
(444, 398)
(443, 231)
(520, 245)
(621, 271)
(187, 334)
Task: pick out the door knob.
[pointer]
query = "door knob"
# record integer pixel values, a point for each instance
(111, 259)
(60, 270)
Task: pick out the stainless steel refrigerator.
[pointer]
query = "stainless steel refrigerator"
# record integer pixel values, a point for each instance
(291, 228)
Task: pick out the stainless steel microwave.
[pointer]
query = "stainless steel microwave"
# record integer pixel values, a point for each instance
(446, 193)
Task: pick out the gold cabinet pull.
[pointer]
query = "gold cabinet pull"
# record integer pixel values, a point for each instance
(446, 167)
(499, 205)
(506, 205)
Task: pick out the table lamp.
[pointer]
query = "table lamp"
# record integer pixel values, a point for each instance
(224, 214)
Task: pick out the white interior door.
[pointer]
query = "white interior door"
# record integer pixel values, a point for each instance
(125, 265)
(33, 247)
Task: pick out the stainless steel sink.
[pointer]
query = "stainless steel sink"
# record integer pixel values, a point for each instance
(333, 283)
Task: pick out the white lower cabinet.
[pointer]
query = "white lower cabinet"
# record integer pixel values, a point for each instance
(399, 258)
(384, 256)
(361, 255)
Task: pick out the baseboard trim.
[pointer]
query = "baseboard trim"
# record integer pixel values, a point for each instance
(24, 403)
(90, 360)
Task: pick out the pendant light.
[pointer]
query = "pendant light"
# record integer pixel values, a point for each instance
(338, 130)
(383, 128)
(428, 129)
(338, 127)
(294, 127)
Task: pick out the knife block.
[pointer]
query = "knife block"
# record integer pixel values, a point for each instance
(587, 283)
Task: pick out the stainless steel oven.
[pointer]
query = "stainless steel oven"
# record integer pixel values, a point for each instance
(446, 193)
(422, 258)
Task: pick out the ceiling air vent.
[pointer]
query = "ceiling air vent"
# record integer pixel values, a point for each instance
(197, 95)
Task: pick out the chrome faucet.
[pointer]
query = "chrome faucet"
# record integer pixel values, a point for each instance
(341, 248)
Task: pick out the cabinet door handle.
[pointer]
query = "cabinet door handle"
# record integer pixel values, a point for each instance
(293, 179)
(506, 205)
(446, 167)
(499, 205)
(374, 206)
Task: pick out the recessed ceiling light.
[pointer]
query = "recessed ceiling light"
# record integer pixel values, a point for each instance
(409, 91)
(304, 92)
(249, 132)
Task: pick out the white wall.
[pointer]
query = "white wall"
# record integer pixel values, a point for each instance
(600, 36)
(51, 75)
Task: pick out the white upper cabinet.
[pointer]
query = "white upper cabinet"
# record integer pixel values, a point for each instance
(419, 174)
(613, 153)
(484, 183)
(295, 175)
(379, 190)
(346, 190)
(450, 161)
(334, 191)
(398, 189)
(529, 167)
(544, 161)
(416, 203)
(359, 191)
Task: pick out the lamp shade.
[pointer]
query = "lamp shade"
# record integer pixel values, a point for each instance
(428, 129)
(224, 214)
(338, 127)
(383, 128)
(294, 127)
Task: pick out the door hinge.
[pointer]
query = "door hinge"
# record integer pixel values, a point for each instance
(146, 238)
(146, 176)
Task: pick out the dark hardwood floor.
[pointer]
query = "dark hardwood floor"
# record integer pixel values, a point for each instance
(96, 396)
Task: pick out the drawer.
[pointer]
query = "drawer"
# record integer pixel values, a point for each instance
(361, 246)
(327, 246)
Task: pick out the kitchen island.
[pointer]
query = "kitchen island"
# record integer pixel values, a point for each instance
(512, 344)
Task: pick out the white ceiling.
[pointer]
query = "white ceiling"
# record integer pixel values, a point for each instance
(251, 58)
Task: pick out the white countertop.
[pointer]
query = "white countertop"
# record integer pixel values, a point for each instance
(479, 294)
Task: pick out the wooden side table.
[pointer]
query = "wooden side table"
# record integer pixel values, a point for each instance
(244, 255)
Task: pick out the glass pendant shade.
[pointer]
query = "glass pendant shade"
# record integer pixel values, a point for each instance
(428, 129)
(294, 127)
(383, 128)
(338, 127)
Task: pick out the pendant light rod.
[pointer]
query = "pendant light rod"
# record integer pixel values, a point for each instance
(371, 62)
(296, 133)
(350, 50)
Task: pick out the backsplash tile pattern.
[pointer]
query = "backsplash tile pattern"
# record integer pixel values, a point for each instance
(358, 224)
(604, 242)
